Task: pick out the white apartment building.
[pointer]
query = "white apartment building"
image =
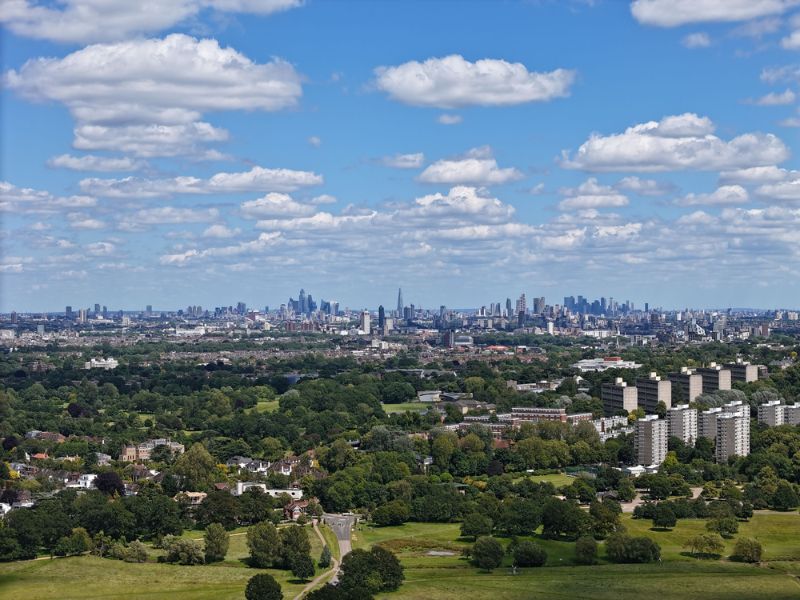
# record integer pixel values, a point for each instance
(791, 414)
(101, 363)
(771, 413)
(682, 423)
(707, 423)
(364, 322)
(733, 436)
(650, 441)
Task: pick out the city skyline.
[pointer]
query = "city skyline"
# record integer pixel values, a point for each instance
(160, 157)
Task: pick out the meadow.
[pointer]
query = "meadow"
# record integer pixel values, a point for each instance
(92, 577)
(445, 574)
(435, 569)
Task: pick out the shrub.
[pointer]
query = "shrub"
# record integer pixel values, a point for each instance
(528, 554)
(747, 550)
(135, 552)
(622, 548)
(586, 550)
(266, 547)
(705, 544)
(487, 553)
(475, 525)
(263, 587)
(76, 543)
(182, 551)
(216, 544)
(664, 517)
(725, 526)
(325, 558)
(302, 566)
(396, 512)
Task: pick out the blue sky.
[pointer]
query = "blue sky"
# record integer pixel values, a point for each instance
(211, 151)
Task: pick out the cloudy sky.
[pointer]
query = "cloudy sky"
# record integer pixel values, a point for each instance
(175, 152)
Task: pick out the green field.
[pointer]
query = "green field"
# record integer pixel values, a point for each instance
(266, 406)
(557, 479)
(447, 575)
(779, 533)
(436, 577)
(91, 577)
(669, 581)
(405, 406)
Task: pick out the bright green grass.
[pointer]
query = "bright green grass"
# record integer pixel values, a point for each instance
(667, 581)
(405, 406)
(366, 535)
(267, 406)
(679, 576)
(91, 577)
(330, 539)
(779, 534)
(557, 479)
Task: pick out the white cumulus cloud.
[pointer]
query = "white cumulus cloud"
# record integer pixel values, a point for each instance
(453, 81)
(591, 195)
(476, 167)
(683, 142)
(82, 21)
(672, 13)
(152, 92)
(257, 179)
(275, 205)
(723, 195)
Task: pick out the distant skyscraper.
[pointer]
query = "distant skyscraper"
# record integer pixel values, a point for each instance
(508, 307)
(68, 312)
(96, 309)
(522, 304)
(364, 325)
(400, 304)
(381, 317)
(303, 302)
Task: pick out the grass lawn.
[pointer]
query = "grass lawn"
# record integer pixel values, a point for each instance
(267, 406)
(679, 576)
(330, 539)
(447, 576)
(667, 581)
(779, 534)
(557, 479)
(405, 406)
(91, 577)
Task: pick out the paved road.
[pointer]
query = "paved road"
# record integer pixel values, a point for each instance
(342, 526)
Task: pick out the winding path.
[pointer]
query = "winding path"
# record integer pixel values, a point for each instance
(322, 576)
